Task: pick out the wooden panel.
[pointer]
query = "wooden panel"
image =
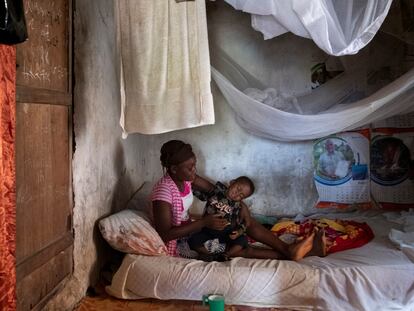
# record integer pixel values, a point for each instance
(26, 267)
(42, 177)
(30, 95)
(34, 290)
(43, 60)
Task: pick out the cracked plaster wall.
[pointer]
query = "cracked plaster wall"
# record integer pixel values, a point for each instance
(106, 168)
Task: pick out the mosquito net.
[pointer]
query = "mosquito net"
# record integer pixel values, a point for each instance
(345, 102)
(338, 27)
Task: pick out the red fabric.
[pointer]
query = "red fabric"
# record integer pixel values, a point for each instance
(361, 235)
(340, 234)
(7, 178)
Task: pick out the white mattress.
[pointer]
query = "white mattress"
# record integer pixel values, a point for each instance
(377, 276)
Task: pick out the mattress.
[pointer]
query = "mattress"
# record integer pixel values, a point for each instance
(376, 276)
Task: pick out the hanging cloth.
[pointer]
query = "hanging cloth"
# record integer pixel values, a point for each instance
(338, 27)
(164, 65)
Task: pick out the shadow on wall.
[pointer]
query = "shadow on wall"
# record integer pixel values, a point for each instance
(108, 258)
(123, 187)
(108, 261)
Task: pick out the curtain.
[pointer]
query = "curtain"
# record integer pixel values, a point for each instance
(7, 178)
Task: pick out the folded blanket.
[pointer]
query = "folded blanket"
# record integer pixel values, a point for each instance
(340, 234)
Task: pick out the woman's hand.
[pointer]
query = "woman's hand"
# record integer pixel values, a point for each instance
(214, 221)
(244, 215)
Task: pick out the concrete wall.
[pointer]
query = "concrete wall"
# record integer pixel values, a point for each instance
(108, 169)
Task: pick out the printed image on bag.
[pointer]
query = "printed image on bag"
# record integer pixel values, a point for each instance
(341, 169)
(392, 183)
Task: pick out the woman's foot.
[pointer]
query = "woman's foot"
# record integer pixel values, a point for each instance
(302, 248)
(319, 244)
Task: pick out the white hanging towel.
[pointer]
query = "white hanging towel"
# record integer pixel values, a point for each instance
(164, 65)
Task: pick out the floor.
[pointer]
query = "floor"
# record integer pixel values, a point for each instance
(110, 304)
(97, 299)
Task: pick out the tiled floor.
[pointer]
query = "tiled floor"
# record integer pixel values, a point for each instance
(111, 304)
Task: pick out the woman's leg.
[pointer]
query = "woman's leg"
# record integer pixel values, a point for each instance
(257, 253)
(294, 251)
(233, 251)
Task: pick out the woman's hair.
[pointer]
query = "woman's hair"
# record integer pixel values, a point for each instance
(175, 152)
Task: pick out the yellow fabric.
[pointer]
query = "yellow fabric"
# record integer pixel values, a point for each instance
(282, 225)
(333, 224)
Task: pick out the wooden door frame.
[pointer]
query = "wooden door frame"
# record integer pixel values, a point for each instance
(26, 94)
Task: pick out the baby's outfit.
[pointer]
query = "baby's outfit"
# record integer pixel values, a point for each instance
(218, 203)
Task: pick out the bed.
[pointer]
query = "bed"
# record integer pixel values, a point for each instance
(376, 276)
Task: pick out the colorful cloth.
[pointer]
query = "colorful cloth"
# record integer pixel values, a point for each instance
(166, 190)
(340, 234)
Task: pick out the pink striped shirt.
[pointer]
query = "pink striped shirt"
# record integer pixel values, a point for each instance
(167, 191)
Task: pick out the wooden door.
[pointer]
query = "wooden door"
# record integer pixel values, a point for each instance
(44, 236)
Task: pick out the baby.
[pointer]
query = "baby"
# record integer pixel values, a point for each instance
(226, 202)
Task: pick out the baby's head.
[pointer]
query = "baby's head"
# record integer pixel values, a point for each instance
(240, 188)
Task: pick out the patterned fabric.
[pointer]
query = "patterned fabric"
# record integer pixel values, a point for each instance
(241, 280)
(213, 246)
(340, 234)
(7, 178)
(217, 202)
(129, 232)
(184, 250)
(166, 190)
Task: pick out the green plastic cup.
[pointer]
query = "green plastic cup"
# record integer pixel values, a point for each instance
(216, 302)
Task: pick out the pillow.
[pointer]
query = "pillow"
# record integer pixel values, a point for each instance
(130, 232)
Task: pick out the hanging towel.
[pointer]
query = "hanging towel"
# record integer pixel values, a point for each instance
(164, 65)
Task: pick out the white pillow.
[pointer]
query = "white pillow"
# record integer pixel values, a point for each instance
(130, 232)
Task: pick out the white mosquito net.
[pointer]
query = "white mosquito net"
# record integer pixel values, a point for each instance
(338, 27)
(342, 103)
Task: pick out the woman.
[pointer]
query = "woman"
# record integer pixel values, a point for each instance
(172, 197)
